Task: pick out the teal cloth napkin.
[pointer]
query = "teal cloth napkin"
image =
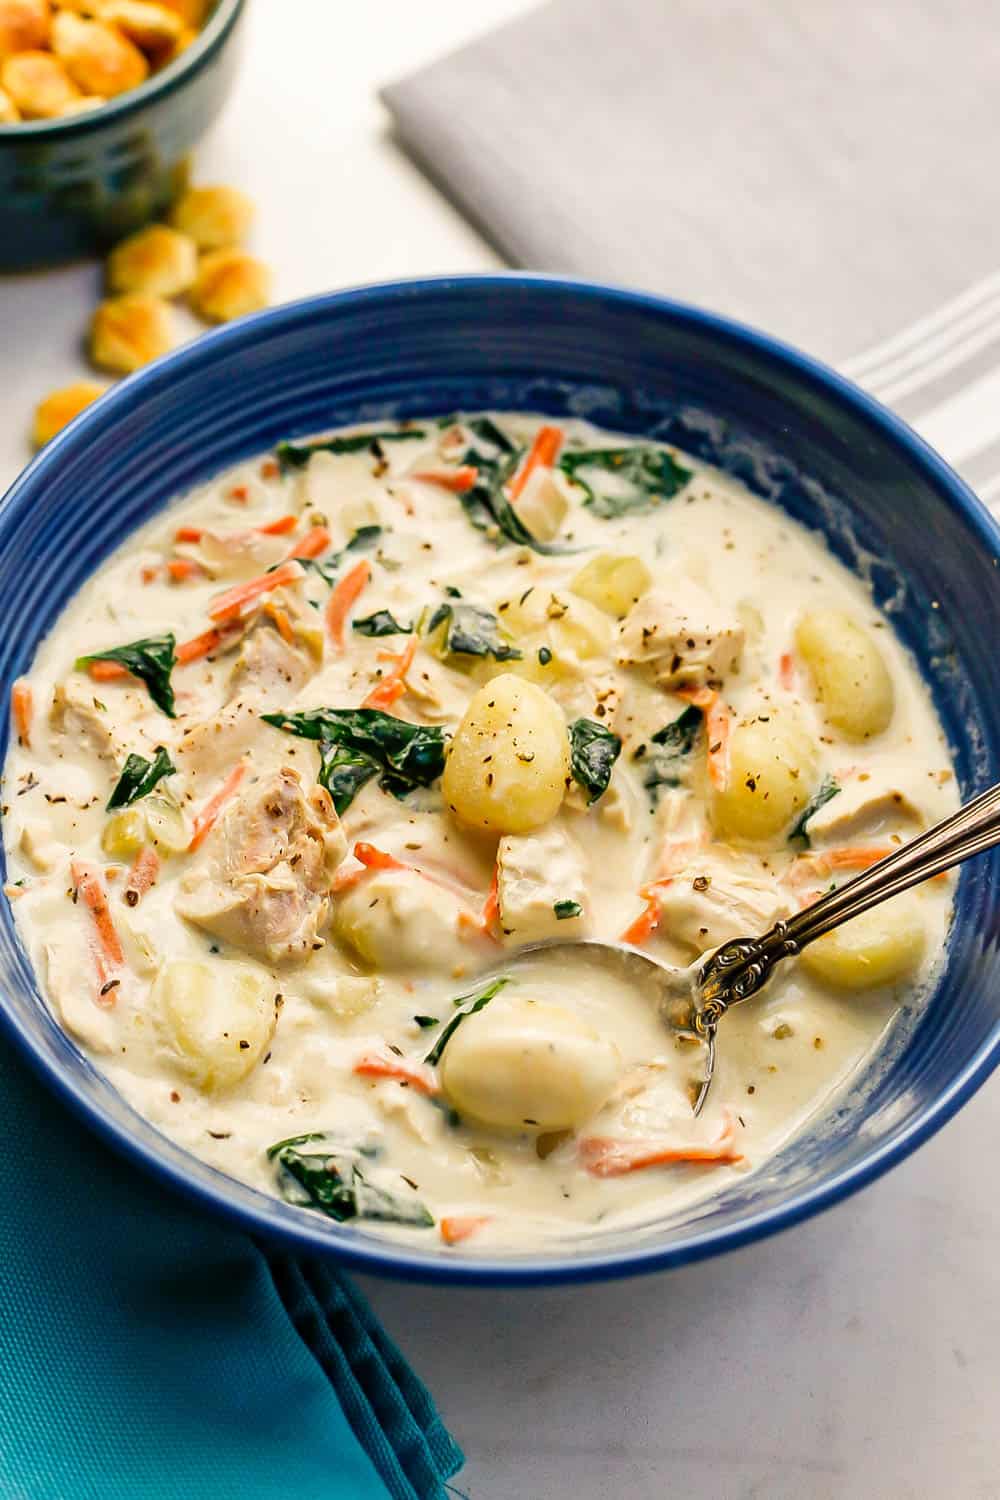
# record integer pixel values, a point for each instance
(146, 1353)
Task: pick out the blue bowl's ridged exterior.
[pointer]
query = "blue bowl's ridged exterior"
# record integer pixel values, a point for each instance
(73, 187)
(793, 430)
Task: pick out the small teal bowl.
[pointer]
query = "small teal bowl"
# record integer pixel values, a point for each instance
(795, 432)
(72, 187)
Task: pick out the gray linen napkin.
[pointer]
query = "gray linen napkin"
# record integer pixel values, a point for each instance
(826, 170)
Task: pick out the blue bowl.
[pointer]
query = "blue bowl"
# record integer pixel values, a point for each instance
(792, 430)
(73, 186)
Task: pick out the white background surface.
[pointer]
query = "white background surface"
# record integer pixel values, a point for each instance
(856, 1356)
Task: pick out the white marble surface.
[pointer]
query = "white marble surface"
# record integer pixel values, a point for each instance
(855, 1356)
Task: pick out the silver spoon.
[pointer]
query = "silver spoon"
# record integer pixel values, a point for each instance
(692, 1001)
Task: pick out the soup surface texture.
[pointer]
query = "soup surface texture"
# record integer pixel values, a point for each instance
(317, 751)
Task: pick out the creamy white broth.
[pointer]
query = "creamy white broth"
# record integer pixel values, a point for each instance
(354, 954)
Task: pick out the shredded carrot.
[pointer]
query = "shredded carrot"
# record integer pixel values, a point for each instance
(22, 707)
(605, 1157)
(645, 924)
(270, 468)
(202, 645)
(786, 671)
(143, 875)
(279, 527)
(233, 601)
(148, 573)
(343, 597)
(180, 568)
(403, 1069)
(108, 955)
(377, 859)
(459, 1227)
(491, 906)
(369, 858)
(106, 671)
(458, 480)
(239, 493)
(313, 544)
(188, 534)
(541, 455)
(716, 730)
(862, 857)
(205, 820)
(392, 686)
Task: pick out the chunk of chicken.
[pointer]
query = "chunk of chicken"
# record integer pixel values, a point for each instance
(86, 722)
(536, 873)
(717, 897)
(440, 694)
(683, 637)
(864, 809)
(263, 880)
(38, 845)
(267, 674)
(240, 554)
(72, 990)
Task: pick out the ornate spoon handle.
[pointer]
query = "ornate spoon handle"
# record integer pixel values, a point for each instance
(739, 968)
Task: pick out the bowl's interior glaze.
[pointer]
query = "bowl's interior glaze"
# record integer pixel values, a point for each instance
(794, 432)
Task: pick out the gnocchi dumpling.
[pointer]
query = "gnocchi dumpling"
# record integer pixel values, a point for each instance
(397, 920)
(770, 775)
(218, 1018)
(525, 1064)
(561, 633)
(849, 674)
(613, 582)
(508, 765)
(882, 946)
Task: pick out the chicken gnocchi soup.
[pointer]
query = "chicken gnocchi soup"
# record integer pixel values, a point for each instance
(315, 754)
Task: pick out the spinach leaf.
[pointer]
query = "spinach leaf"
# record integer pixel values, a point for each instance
(466, 1005)
(297, 455)
(365, 539)
(564, 909)
(404, 755)
(644, 477)
(425, 1021)
(675, 740)
(469, 630)
(151, 660)
(593, 752)
(382, 622)
(332, 1182)
(800, 832)
(138, 778)
(344, 772)
(486, 503)
(489, 435)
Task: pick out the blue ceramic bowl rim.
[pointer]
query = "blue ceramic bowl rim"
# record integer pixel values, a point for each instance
(212, 36)
(387, 1257)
